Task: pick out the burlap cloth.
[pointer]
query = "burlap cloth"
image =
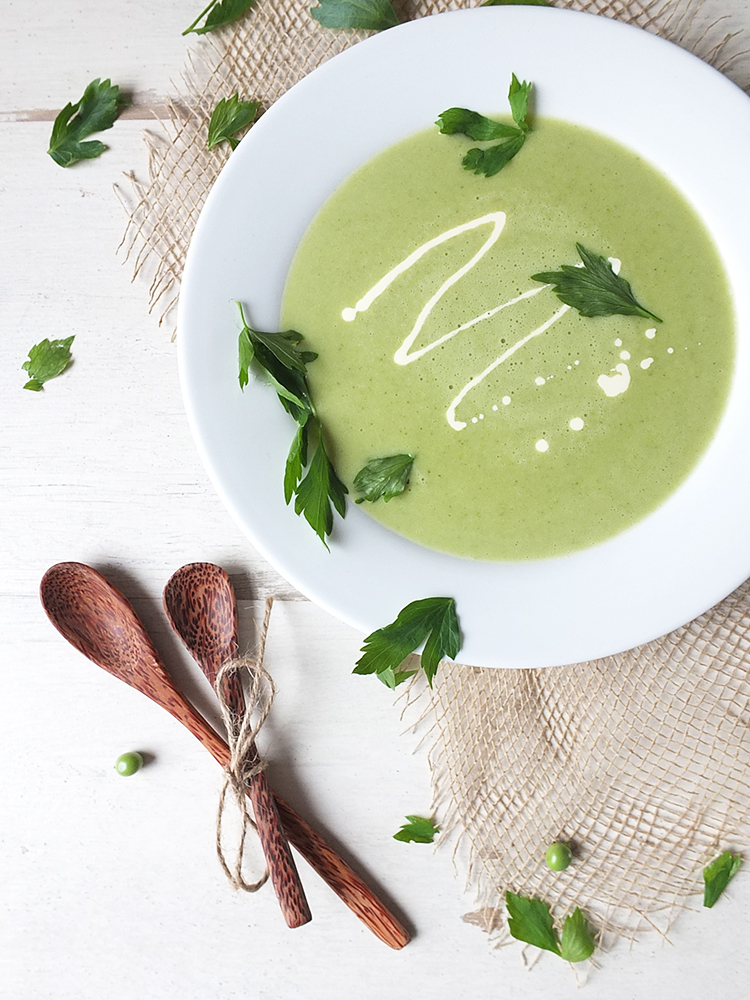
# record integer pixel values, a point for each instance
(639, 760)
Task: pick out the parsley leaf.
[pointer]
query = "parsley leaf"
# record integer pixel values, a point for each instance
(577, 942)
(518, 98)
(417, 830)
(529, 920)
(369, 15)
(383, 477)
(392, 678)
(594, 289)
(433, 621)
(217, 14)
(295, 463)
(718, 875)
(320, 488)
(491, 160)
(95, 112)
(461, 121)
(230, 116)
(47, 359)
(285, 367)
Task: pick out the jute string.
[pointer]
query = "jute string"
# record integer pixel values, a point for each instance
(640, 759)
(244, 761)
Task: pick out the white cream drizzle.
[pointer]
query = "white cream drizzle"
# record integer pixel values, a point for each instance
(612, 385)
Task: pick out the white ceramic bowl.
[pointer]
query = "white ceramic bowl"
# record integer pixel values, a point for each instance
(681, 115)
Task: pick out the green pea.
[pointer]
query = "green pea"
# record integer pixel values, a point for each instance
(558, 856)
(129, 763)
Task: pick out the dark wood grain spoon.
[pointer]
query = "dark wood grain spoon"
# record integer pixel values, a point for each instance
(200, 605)
(200, 602)
(95, 618)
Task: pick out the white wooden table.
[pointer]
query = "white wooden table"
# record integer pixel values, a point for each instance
(109, 888)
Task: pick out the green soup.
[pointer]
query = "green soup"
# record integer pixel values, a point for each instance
(536, 431)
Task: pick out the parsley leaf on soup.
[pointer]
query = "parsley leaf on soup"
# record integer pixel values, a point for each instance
(319, 488)
(594, 289)
(367, 15)
(96, 111)
(230, 116)
(47, 360)
(217, 14)
(718, 875)
(309, 476)
(461, 121)
(417, 830)
(383, 477)
(490, 160)
(433, 621)
(577, 943)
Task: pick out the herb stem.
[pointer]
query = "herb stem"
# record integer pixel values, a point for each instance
(202, 14)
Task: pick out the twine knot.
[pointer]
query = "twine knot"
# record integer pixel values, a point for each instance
(243, 726)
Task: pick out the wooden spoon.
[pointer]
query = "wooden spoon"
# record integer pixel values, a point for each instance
(99, 621)
(200, 602)
(95, 618)
(200, 605)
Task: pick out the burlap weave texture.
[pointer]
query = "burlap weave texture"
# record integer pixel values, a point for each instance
(641, 759)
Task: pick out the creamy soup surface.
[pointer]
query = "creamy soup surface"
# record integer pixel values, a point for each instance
(536, 431)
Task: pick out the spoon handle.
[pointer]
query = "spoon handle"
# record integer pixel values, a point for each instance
(319, 854)
(344, 881)
(281, 866)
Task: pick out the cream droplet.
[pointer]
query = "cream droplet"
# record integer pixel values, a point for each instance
(646, 363)
(542, 445)
(539, 380)
(651, 333)
(506, 400)
(625, 355)
(670, 350)
(576, 424)
(614, 385)
(348, 314)
(618, 342)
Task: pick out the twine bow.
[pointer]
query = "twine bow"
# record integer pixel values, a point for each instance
(244, 761)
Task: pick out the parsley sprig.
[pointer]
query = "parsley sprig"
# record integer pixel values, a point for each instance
(384, 478)
(47, 359)
(217, 14)
(229, 117)
(367, 15)
(96, 111)
(284, 367)
(594, 289)
(718, 875)
(417, 830)
(530, 921)
(491, 160)
(433, 621)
